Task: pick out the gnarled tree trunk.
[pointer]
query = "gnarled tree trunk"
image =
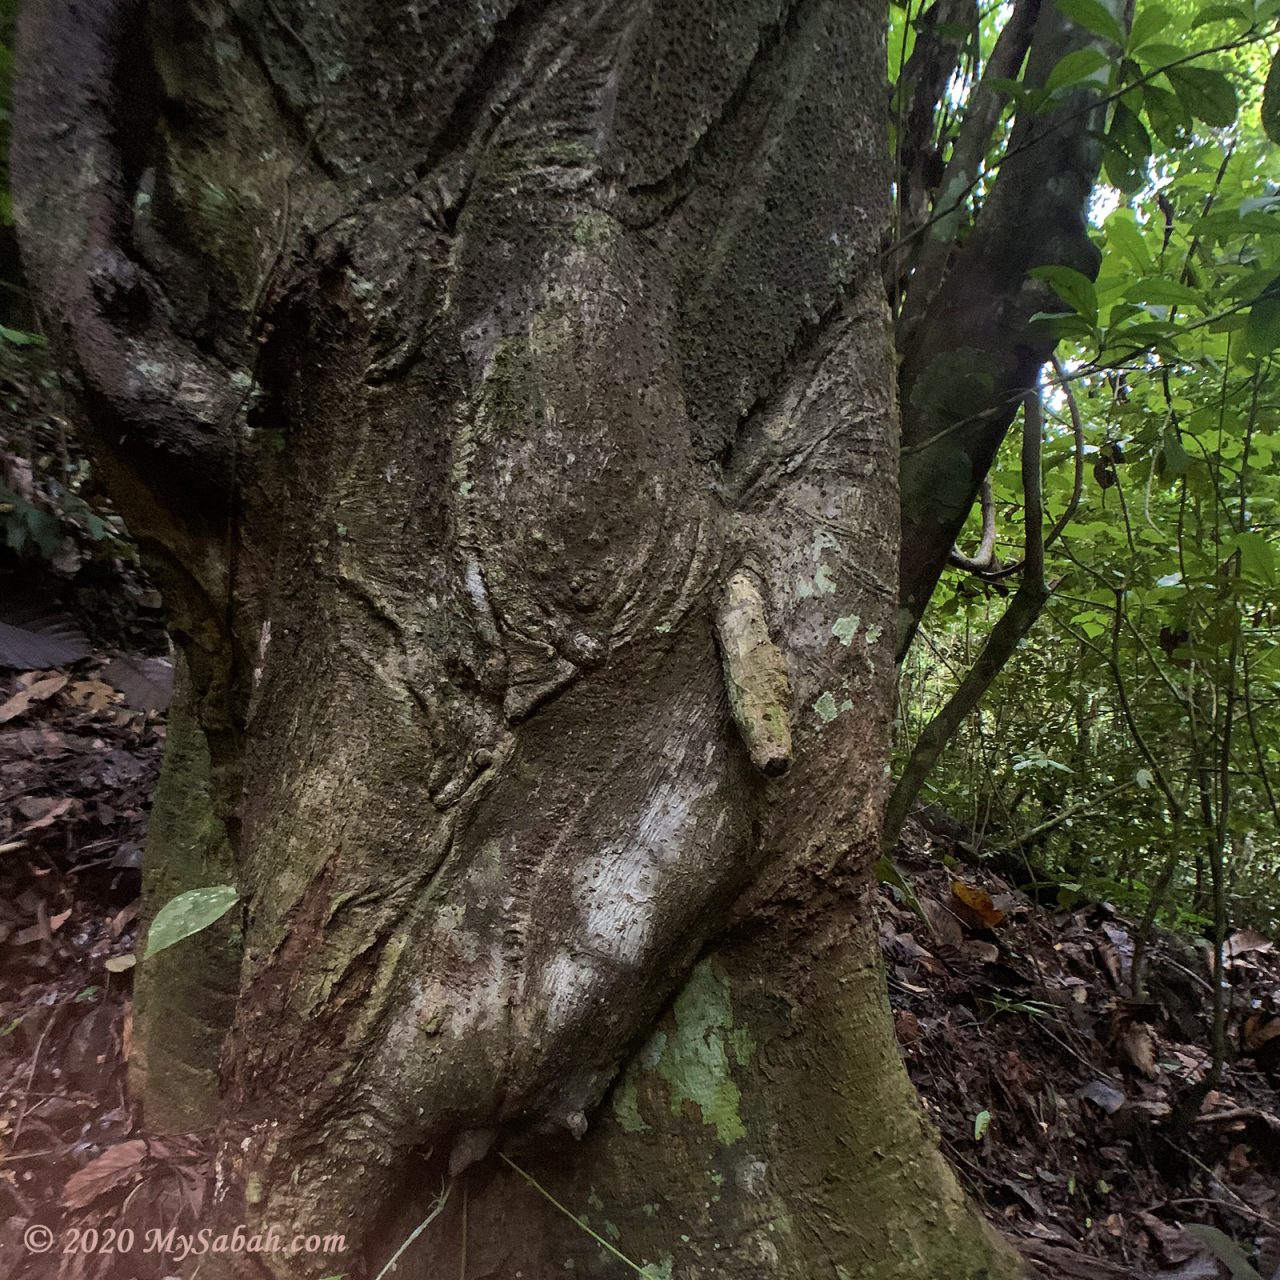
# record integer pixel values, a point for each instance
(503, 395)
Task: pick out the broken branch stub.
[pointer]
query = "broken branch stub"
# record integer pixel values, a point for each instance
(755, 674)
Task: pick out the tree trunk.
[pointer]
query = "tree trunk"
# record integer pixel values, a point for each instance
(503, 396)
(765, 1129)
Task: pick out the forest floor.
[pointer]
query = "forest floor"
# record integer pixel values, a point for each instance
(1081, 1119)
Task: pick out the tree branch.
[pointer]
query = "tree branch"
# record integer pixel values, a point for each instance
(1077, 433)
(969, 351)
(81, 103)
(1025, 607)
(755, 675)
(983, 561)
(976, 131)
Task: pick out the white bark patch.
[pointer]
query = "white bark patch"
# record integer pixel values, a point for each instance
(475, 586)
(823, 582)
(264, 642)
(616, 894)
(750, 1176)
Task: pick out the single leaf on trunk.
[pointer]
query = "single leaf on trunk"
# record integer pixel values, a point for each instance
(188, 913)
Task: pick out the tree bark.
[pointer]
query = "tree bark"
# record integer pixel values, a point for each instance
(486, 385)
(970, 351)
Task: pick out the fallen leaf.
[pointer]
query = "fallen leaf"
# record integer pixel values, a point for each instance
(907, 1025)
(1103, 1095)
(146, 683)
(49, 817)
(1136, 1048)
(974, 906)
(114, 1167)
(1260, 1029)
(92, 695)
(1245, 941)
(946, 928)
(124, 917)
(21, 701)
(54, 641)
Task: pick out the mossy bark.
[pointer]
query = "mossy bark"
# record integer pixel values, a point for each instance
(530, 331)
(765, 1128)
(184, 997)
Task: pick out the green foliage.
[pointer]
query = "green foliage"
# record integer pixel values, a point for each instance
(189, 913)
(1230, 1254)
(1153, 679)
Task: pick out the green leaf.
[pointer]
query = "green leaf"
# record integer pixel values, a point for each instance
(1153, 20)
(1162, 292)
(1076, 68)
(1262, 328)
(1206, 93)
(1073, 287)
(981, 1123)
(1271, 102)
(18, 338)
(188, 913)
(1225, 1249)
(1157, 54)
(1170, 121)
(1257, 557)
(1124, 237)
(1222, 13)
(888, 872)
(1174, 459)
(1128, 149)
(1093, 16)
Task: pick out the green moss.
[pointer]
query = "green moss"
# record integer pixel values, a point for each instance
(844, 629)
(626, 1107)
(826, 708)
(182, 1009)
(695, 1063)
(594, 229)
